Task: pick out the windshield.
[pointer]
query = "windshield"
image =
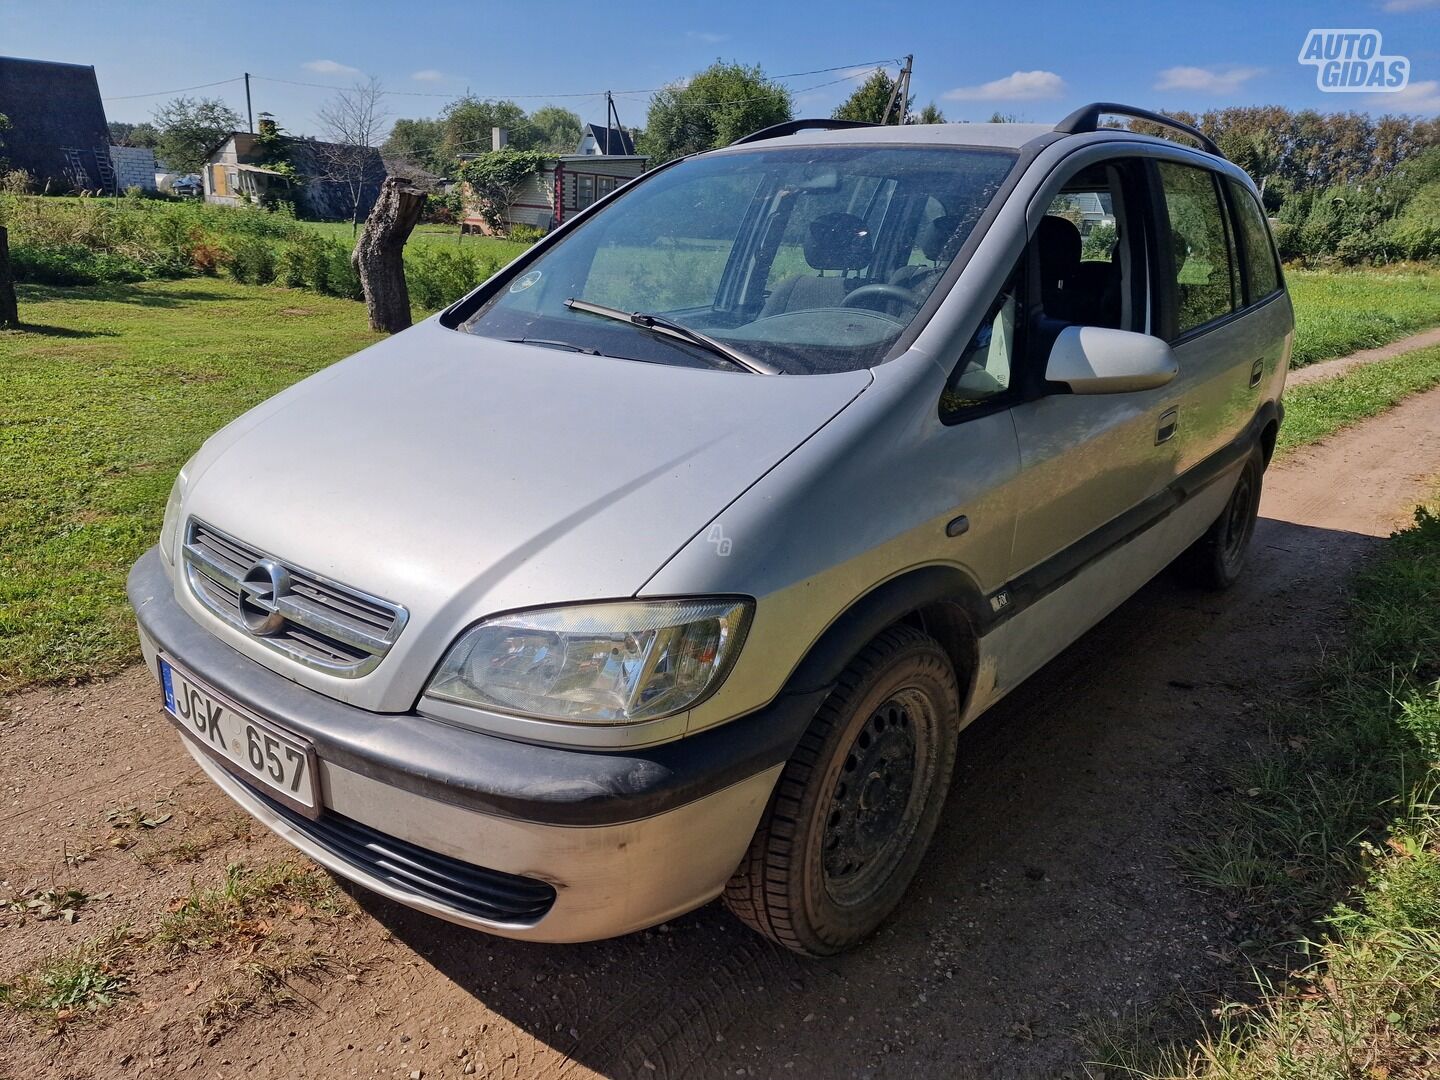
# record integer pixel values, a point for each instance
(810, 260)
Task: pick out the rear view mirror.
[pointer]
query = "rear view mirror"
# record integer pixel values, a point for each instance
(1097, 360)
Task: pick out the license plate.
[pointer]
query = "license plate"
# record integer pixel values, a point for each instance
(279, 762)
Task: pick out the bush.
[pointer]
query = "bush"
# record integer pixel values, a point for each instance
(438, 277)
(16, 182)
(252, 262)
(524, 234)
(71, 264)
(319, 264)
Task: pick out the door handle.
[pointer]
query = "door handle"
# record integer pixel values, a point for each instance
(1257, 372)
(1169, 424)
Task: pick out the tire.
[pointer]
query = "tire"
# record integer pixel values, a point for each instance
(1215, 560)
(832, 858)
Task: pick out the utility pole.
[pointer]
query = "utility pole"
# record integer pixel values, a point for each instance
(249, 112)
(609, 111)
(901, 92)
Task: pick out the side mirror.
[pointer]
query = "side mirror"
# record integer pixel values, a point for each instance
(1097, 360)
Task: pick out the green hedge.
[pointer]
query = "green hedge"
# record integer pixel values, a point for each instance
(81, 241)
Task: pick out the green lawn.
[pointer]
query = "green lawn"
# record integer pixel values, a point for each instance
(1337, 313)
(106, 396)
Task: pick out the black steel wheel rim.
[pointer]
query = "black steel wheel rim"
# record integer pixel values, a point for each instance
(1238, 518)
(868, 825)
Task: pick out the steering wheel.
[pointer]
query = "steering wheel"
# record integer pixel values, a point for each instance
(895, 294)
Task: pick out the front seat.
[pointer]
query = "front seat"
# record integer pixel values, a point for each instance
(833, 242)
(1058, 245)
(932, 241)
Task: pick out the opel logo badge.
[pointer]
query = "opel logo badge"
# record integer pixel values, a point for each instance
(260, 592)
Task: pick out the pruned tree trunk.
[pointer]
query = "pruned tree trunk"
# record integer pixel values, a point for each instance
(9, 306)
(379, 254)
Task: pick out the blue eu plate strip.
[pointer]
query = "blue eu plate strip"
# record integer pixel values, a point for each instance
(169, 689)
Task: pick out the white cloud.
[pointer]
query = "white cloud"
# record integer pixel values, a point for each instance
(428, 75)
(1418, 97)
(329, 67)
(1019, 86)
(1206, 80)
(706, 37)
(1408, 5)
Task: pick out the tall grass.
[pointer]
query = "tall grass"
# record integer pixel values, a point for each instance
(1341, 804)
(84, 241)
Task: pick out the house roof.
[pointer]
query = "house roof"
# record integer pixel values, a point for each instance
(619, 142)
(53, 107)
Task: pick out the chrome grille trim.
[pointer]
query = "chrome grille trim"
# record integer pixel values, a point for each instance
(327, 626)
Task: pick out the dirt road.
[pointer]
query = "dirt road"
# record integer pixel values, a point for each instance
(1049, 906)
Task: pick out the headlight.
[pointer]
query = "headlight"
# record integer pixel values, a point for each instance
(611, 663)
(171, 523)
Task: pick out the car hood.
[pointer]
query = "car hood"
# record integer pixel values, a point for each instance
(459, 476)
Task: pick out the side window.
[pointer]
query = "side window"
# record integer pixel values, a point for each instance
(985, 366)
(1262, 274)
(1204, 271)
(1087, 249)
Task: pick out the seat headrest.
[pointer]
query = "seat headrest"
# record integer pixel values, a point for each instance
(1058, 242)
(937, 233)
(837, 242)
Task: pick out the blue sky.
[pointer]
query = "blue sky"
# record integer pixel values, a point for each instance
(1035, 60)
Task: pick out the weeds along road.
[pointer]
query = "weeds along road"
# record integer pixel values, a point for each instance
(1048, 909)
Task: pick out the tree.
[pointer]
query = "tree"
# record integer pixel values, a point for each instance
(418, 141)
(9, 307)
(466, 124)
(716, 107)
(379, 255)
(557, 130)
(351, 121)
(867, 104)
(189, 128)
(143, 134)
(495, 177)
(929, 115)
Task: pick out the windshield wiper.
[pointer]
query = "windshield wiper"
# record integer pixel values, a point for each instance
(551, 344)
(661, 325)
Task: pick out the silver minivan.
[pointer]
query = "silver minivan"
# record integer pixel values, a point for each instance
(669, 563)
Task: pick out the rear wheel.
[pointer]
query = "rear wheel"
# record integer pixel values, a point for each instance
(856, 806)
(1216, 559)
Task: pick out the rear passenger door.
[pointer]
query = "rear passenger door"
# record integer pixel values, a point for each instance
(1200, 303)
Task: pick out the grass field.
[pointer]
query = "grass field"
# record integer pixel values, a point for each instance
(106, 396)
(1337, 313)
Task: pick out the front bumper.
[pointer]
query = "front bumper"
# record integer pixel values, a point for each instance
(444, 819)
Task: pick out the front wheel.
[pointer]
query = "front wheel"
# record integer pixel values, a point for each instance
(1216, 559)
(857, 804)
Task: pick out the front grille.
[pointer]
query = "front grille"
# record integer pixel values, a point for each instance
(302, 614)
(473, 890)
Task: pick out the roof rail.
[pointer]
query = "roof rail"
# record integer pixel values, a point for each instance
(1087, 118)
(790, 127)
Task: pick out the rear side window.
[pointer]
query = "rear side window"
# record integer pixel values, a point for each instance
(1205, 273)
(1262, 276)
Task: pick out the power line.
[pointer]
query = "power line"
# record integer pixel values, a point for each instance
(866, 65)
(181, 90)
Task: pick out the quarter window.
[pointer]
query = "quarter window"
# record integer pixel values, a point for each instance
(1203, 268)
(1259, 253)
